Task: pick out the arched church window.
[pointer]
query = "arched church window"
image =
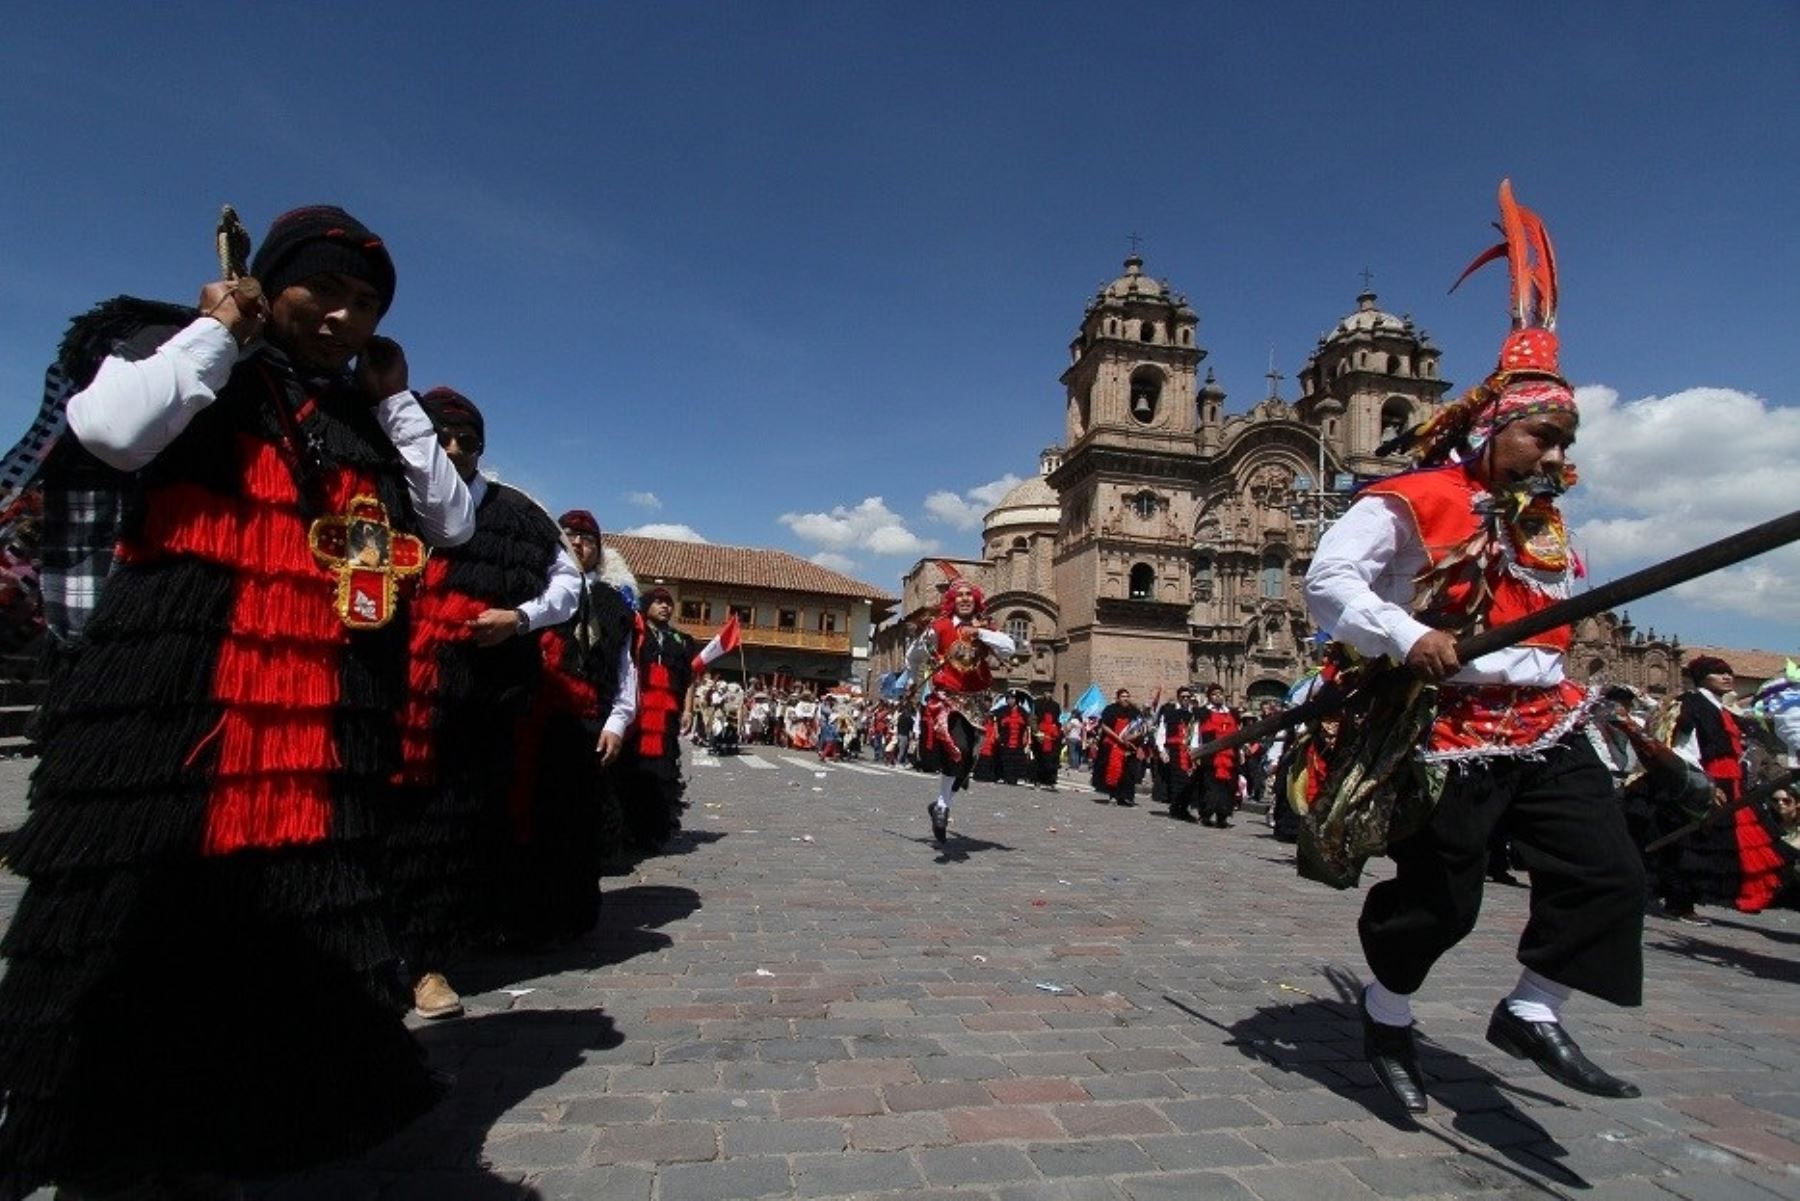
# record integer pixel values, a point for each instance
(1144, 505)
(1018, 627)
(1018, 544)
(1146, 393)
(1393, 364)
(1112, 325)
(1274, 576)
(1147, 331)
(1203, 578)
(1143, 581)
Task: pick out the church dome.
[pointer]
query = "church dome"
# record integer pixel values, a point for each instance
(1032, 502)
(1367, 319)
(1134, 285)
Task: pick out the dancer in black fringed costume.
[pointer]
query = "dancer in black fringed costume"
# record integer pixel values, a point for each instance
(471, 744)
(602, 633)
(1012, 738)
(1047, 742)
(650, 784)
(199, 977)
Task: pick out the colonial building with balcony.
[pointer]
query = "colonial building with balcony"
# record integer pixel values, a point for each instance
(800, 621)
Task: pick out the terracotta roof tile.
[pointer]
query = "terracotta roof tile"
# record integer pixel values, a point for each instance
(746, 567)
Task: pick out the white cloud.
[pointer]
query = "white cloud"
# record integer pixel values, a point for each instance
(1664, 474)
(672, 531)
(834, 561)
(870, 526)
(965, 511)
(643, 500)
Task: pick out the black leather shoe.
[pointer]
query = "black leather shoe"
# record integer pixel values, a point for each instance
(1549, 1046)
(940, 820)
(1390, 1051)
(1183, 815)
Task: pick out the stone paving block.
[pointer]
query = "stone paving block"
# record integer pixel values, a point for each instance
(1001, 1123)
(1061, 1190)
(902, 1098)
(1189, 1152)
(1107, 1157)
(1036, 1090)
(898, 1131)
(717, 1107)
(1401, 1178)
(1094, 1120)
(782, 1137)
(1185, 1186)
(829, 1103)
(1134, 1086)
(782, 1077)
(1323, 1182)
(866, 1072)
(802, 1050)
(606, 1110)
(728, 1180)
(538, 1148)
(670, 1078)
(1212, 1113)
(1300, 1144)
(854, 1172)
(656, 1142)
(961, 1067)
(975, 1165)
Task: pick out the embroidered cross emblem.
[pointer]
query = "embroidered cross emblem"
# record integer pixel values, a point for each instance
(369, 558)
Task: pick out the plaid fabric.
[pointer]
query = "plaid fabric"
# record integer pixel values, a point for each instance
(81, 527)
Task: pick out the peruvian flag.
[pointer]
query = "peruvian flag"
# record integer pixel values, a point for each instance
(724, 642)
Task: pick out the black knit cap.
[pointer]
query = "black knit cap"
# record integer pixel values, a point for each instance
(447, 407)
(579, 521)
(311, 241)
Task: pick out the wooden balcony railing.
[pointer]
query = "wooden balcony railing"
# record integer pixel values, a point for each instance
(804, 640)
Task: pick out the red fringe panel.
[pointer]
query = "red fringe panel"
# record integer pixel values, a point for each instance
(439, 617)
(1763, 865)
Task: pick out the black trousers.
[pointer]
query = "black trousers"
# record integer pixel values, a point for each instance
(1587, 880)
(967, 739)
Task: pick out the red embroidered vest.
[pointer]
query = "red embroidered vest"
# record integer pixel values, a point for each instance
(1441, 503)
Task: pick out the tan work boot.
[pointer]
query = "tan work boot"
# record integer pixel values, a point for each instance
(433, 998)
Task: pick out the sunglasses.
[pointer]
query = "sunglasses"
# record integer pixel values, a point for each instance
(470, 440)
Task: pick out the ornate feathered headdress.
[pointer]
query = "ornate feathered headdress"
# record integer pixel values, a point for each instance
(1528, 378)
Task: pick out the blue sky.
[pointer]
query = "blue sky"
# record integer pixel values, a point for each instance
(756, 260)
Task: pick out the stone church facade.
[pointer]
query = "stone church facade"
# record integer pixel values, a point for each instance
(1165, 543)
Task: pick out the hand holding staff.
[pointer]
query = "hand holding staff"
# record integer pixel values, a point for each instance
(236, 300)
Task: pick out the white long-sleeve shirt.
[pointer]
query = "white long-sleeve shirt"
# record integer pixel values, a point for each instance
(1362, 580)
(135, 408)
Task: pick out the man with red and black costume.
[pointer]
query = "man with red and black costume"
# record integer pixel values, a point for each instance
(1217, 779)
(650, 783)
(200, 981)
(1474, 539)
(957, 653)
(1118, 746)
(1172, 770)
(1736, 860)
(501, 782)
(1047, 743)
(1013, 735)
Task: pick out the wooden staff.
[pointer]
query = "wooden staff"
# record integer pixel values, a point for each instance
(1660, 577)
(1720, 814)
(232, 241)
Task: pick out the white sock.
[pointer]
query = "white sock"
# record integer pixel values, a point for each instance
(1537, 998)
(945, 785)
(1386, 1007)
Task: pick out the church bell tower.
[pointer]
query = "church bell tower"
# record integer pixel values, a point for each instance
(1127, 484)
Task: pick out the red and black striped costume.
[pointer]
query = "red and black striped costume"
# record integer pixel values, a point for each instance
(1012, 751)
(650, 783)
(1116, 763)
(204, 836)
(1171, 779)
(1742, 861)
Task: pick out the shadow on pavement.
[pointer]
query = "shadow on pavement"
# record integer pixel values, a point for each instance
(498, 1061)
(1753, 963)
(1781, 936)
(961, 846)
(627, 928)
(683, 842)
(1322, 1041)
